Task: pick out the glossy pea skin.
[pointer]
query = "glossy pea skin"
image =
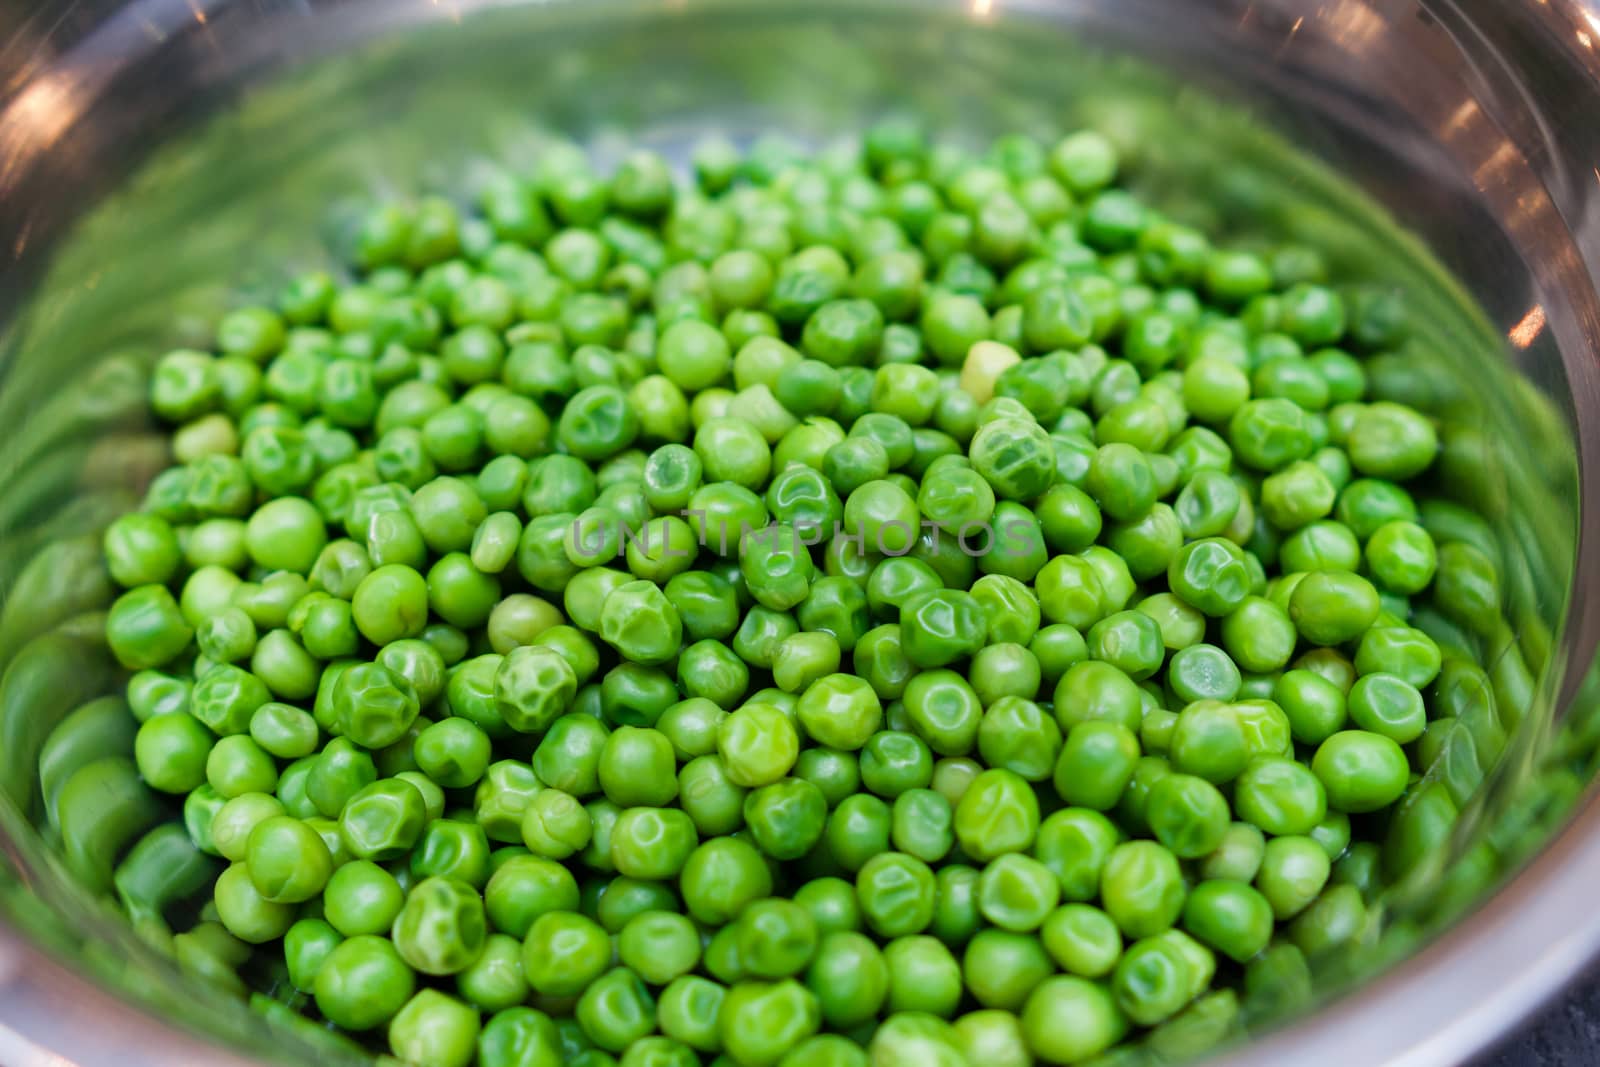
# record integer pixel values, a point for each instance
(1142, 888)
(1095, 764)
(1281, 796)
(1188, 815)
(442, 928)
(897, 894)
(363, 983)
(1360, 771)
(999, 813)
(1067, 1018)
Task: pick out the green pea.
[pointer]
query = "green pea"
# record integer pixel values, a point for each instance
(999, 813)
(760, 1021)
(1142, 888)
(1209, 741)
(1082, 940)
(857, 829)
(1092, 691)
(1360, 771)
(1400, 651)
(893, 761)
(1211, 575)
(922, 824)
(1187, 814)
(1067, 1019)
(758, 744)
(563, 953)
(897, 894)
(1280, 796)
(720, 877)
(382, 820)
(1332, 607)
(1017, 735)
(1095, 765)
(1389, 705)
(363, 983)
(1152, 981)
(640, 622)
(1293, 872)
(786, 818)
(287, 860)
(362, 898)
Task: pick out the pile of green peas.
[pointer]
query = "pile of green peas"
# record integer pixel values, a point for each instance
(898, 604)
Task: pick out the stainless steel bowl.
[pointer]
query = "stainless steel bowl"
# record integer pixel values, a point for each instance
(158, 157)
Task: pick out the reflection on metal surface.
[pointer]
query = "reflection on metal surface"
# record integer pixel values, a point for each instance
(39, 115)
(18, 1051)
(1526, 331)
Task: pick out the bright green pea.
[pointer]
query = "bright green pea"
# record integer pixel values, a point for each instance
(1293, 872)
(840, 711)
(897, 894)
(1389, 705)
(1096, 762)
(999, 813)
(1187, 814)
(720, 877)
(939, 626)
(1360, 771)
(563, 953)
(1332, 607)
(1067, 1019)
(652, 843)
(758, 744)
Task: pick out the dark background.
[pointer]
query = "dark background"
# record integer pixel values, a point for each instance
(1565, 1034)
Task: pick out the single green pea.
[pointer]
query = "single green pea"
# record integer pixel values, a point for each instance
(287, 860)
(1067, 1019)
(922, 824)
(1400, 651)
(840, 711)
(1096, 763)
(442, 928)
(944, 711)
(857, 829)
(1293, 872)
(1389, 705)
(897, 894)
(1188, 815)
(1082, 940)
(652, 843)
(640, 622)
(635, 767)
(893, 761)
(1360, 771)
(362, 898)
(563, 953)
(1152, 980)
(1093, 691)
(1017, 735)
(568, 757)
(940, 626)
(1209, 741)
(758, 744)
(999, 813)
(172, 752)
(1142, 888)
(720, 877)
(247, 914)
(383, 820)
(363, 983)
